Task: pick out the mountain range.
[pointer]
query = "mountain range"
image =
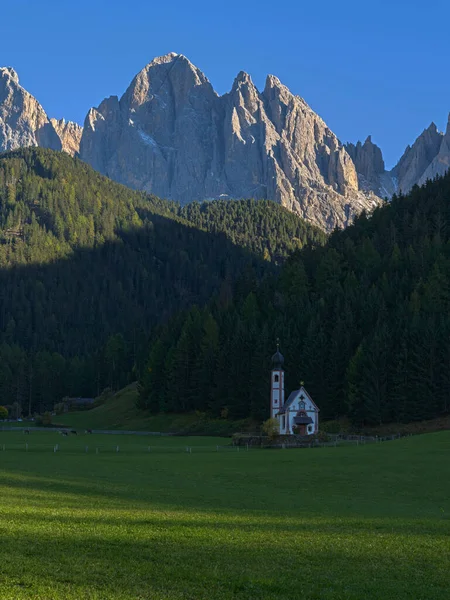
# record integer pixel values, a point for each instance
(171, 134)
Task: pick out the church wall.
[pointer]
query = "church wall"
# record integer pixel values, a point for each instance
(292, 412)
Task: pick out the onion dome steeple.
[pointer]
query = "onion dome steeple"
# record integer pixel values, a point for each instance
(277, 358)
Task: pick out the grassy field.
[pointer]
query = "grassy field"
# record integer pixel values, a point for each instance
(330, 523)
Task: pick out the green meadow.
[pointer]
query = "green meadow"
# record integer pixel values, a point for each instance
(341, 523)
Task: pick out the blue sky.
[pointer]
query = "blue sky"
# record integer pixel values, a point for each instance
(377, 68)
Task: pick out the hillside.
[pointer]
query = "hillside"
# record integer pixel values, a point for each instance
(364, 321)
(88, 267)
(262, 226)
(120, 411)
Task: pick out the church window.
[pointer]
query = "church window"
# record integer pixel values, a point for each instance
(276, 378)
(283, 421)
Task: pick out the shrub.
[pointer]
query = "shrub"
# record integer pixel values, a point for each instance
(322, 436)
(342, 425)
(59, 408)
(45, 420)
(3, 412)
(271, 428)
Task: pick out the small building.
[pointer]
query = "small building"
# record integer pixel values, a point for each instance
(299, 414)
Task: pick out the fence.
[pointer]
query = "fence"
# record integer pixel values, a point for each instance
(100, 431)
(74, 446)
(336, 441)
(86, 444)
(295, 441)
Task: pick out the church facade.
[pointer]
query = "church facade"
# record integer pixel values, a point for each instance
(299, 414)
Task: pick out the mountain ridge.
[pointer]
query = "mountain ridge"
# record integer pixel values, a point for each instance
(172, 134)
(244, 143)
(428, 157)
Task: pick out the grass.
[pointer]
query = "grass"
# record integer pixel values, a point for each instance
(120, 413)
(331, 523)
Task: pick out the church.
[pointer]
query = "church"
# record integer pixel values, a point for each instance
(299, 414)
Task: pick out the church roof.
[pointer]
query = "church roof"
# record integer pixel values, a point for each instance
(277, 360)
(302, 420)
(292, 397)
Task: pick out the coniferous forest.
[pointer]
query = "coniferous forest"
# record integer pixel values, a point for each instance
(88, 268)
(101, 285)
(364, 322)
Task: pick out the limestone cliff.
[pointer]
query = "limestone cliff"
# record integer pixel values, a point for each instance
(427, 157)
(70, 135)
(171, 134)
(23, 121)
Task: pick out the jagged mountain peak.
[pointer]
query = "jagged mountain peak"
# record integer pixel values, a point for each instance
(23, 121)
(69, 133)
(415, 163)
(166, 79)
(369, 163)
(275, 89)
(170, 61)
(273, 82)
(10, 73)
(173, 135)
(165, 58)
(242, 78)
(447, 130)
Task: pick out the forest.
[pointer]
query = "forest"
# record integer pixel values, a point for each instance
(364, 322)
(89, 268)
(101, 285)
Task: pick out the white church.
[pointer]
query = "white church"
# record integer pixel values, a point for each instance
(299, 414)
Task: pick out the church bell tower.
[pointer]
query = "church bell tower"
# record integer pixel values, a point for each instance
(277, 383)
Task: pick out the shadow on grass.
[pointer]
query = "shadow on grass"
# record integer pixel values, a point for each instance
(182, 564)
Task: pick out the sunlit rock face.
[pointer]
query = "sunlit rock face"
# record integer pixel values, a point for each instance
(70, 135)
(23, 121)
(171, 134)
(427, 157)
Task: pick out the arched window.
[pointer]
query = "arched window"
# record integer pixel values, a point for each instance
(276, 378)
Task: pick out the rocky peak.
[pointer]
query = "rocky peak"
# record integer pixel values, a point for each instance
(242, 78)
(172, 75)
(435, 148)
(9, 73)
(171, 134)
(275, 90)
(244, 96)
(416, 161)
(23, 121)
(368, 159)
(70, 135)
(447, 130)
